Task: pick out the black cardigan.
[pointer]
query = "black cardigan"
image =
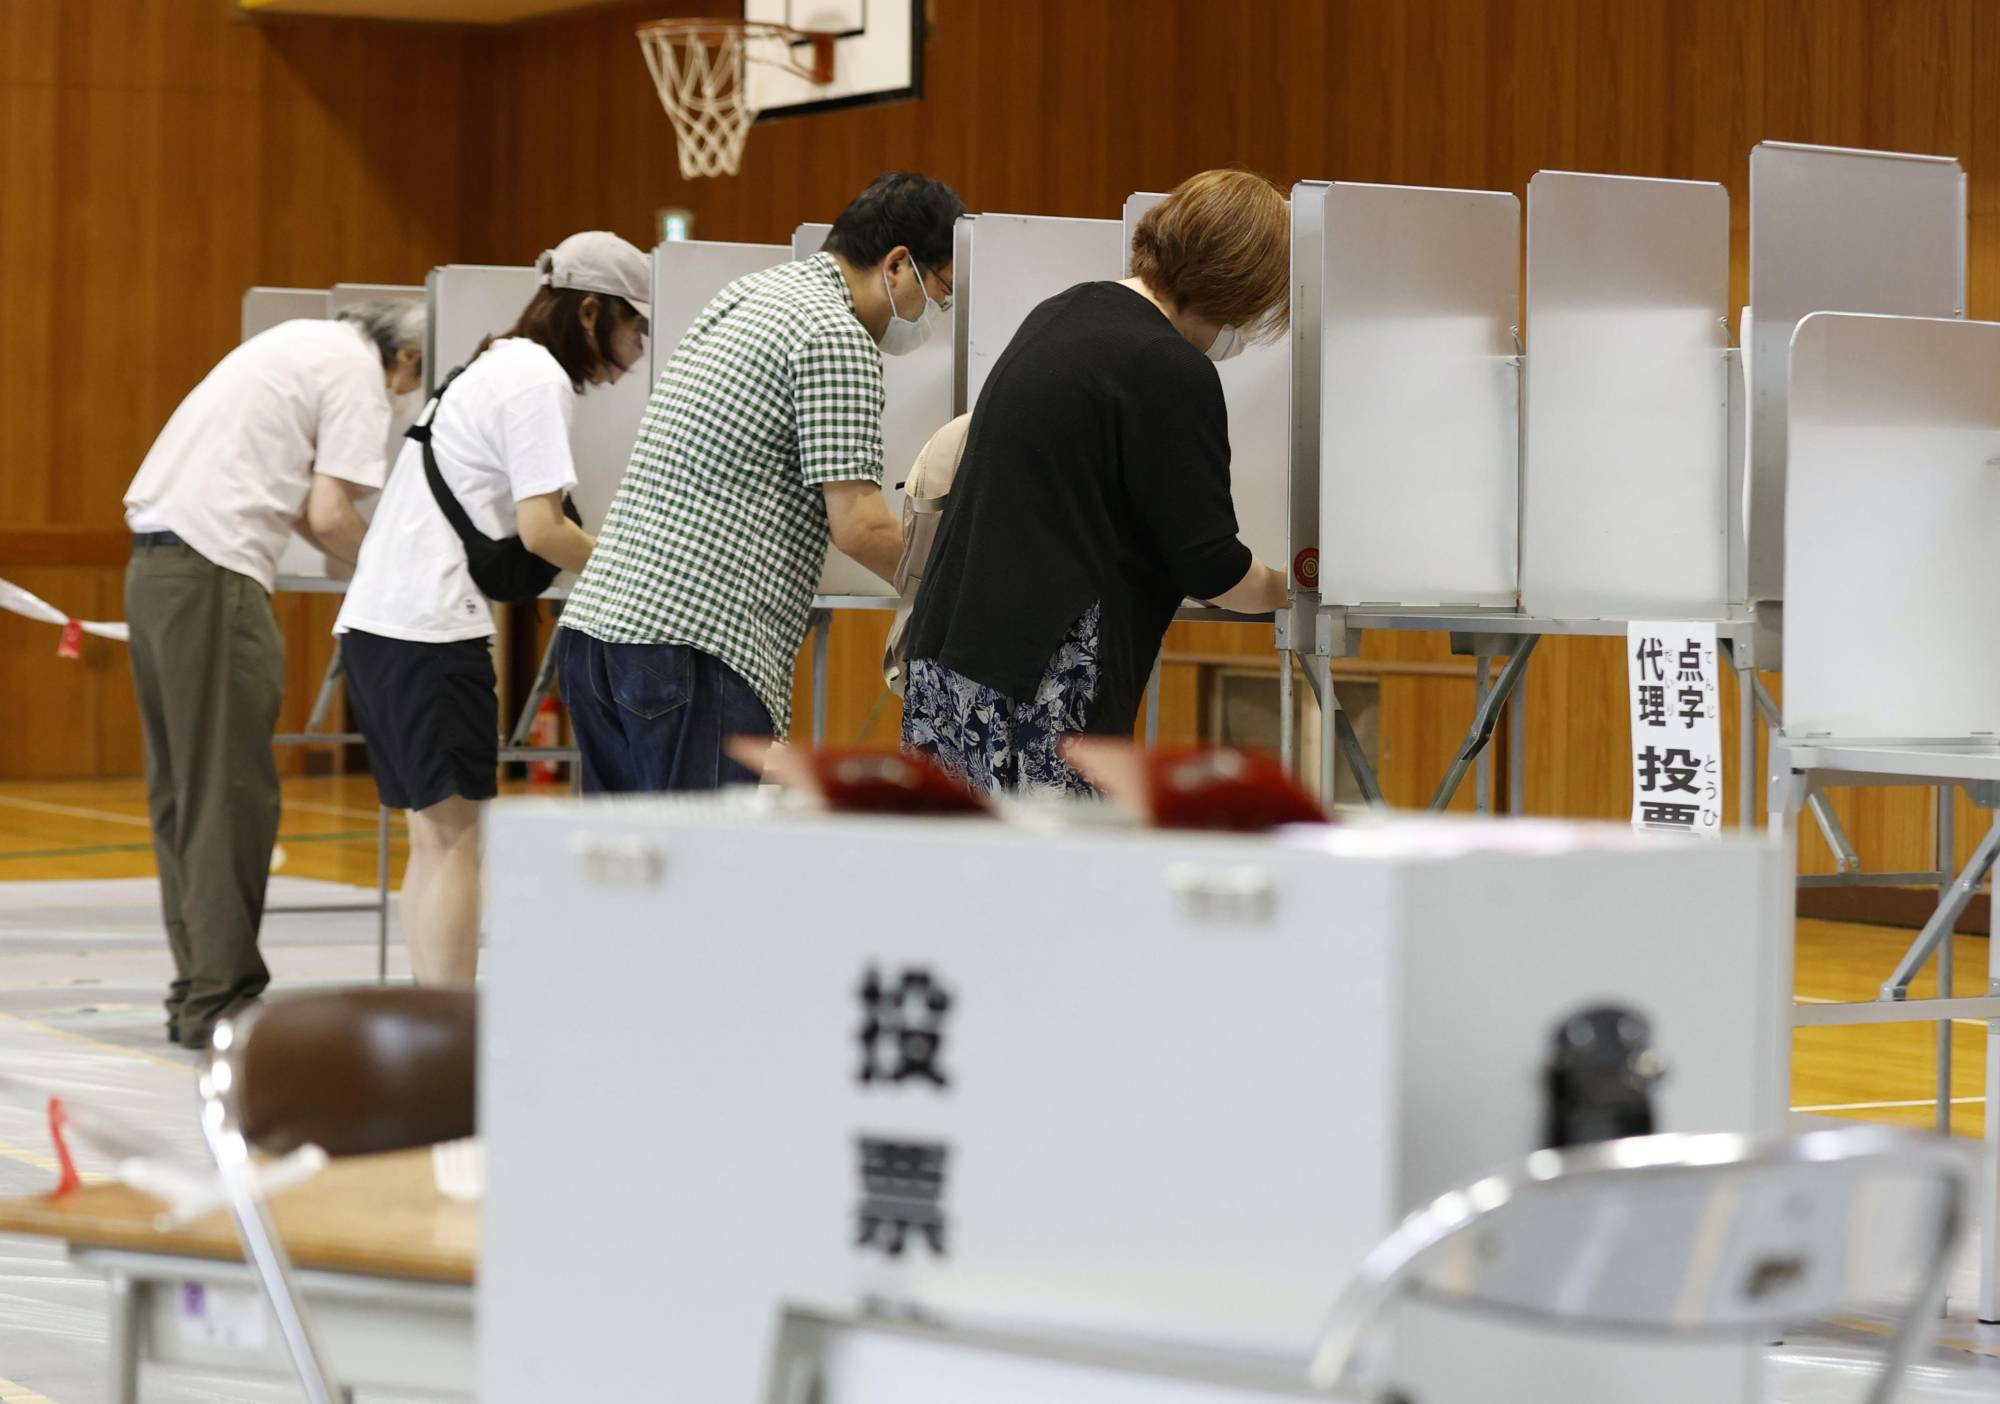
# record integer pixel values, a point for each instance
(1096, 471)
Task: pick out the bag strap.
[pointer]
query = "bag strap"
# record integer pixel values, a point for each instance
(447, 502)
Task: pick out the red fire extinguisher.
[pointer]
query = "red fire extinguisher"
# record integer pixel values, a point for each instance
(546, 733)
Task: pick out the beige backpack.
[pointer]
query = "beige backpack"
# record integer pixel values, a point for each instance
(924, 492)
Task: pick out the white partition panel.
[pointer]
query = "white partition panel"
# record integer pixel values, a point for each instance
(301, 560)
(1006, 265)
(470, 302)
(1625, 473)
(1416, 295)
(1833, 230)
(347, 294)
(916, 392)
(403, 411)
(687, 274)
(1257, 386)
(264, 308)
(1890, 517)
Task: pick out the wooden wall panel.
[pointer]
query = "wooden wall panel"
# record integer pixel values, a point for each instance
(155, 161)
(192, 155)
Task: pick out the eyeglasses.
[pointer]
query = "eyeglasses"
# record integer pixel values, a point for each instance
(944, 305)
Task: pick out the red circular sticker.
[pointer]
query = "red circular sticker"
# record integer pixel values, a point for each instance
(1305, 567)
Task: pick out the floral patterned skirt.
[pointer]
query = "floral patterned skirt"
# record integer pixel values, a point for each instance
(993, 742)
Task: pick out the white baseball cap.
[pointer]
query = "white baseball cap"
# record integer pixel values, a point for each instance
(600, 262)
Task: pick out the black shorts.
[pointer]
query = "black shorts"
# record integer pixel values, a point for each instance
(429, 714)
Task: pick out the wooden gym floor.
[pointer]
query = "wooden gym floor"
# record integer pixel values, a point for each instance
(98, 829)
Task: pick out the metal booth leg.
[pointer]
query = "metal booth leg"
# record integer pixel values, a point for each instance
(1485, 719)
(1482, 766)
(1955, 897)
(1288, 713)
(1153, 707)
(1746, 740)
(382, 894)
(1845, 859)
(545, 681)
(1321, 675)
(1337, 738)
(128, 1298)
(323, 703)
(1947, 859)
(821, 624)
(1517, 749)
(1989, 1220)
(1786, 798)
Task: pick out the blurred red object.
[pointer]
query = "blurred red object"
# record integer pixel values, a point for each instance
(545, 732)
(69, 1180)
(1239, 791)
(889, 782)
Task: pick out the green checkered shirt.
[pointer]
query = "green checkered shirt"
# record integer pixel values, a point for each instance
(717, 534)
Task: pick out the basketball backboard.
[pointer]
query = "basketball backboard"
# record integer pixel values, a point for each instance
(878, 56)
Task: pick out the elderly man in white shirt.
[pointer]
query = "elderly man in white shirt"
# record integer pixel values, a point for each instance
(285, 434)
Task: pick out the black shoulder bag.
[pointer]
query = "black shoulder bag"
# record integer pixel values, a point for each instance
(505, 571)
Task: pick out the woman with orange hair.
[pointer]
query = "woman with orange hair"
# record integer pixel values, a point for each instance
(1093, 497)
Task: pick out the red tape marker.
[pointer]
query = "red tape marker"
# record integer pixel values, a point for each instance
(72, 640)
(70, 1181)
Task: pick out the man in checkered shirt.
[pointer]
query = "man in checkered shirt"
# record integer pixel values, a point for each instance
(762, 441)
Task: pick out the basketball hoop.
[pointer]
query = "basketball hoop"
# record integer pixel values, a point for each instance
(698, 69)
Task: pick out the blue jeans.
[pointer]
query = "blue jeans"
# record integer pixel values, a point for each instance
(654, 716)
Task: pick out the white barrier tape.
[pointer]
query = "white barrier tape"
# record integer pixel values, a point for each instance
(15, 600)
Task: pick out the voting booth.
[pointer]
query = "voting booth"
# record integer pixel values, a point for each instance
(1136, 1085)
(1901, 250)
(1891, 492)
(470, 302)
(302, 565)
(1403, 329)
(1256, 384)
(1625, 477)
(916, 402)
(1006, 265)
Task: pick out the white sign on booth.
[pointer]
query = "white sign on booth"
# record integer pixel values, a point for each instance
(1676, 728)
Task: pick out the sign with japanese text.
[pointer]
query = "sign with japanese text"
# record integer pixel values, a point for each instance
(1676, 728)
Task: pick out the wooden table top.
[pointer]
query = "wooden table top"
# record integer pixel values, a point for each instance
(377, 1216)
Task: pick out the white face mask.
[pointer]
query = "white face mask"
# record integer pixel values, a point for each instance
(1228, 342)
(905, 334)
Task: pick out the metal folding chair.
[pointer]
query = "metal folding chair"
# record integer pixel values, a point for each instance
(1675, 1237)
(1650, 1239)
(353, 1071)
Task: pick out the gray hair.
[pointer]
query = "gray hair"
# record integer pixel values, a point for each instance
(391, 324)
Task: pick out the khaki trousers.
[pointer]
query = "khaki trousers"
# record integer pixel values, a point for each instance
(208, 662)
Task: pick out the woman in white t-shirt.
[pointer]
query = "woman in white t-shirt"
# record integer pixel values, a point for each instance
(417, 633)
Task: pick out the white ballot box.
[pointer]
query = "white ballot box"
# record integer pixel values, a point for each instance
(1161, 1087)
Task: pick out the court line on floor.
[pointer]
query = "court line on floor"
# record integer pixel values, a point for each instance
(338, 811)
(72, 811)
(11, 1393)
(110, 816)
(37, 1026)
(1887, 1106)
(95, 849)
(28, 1158)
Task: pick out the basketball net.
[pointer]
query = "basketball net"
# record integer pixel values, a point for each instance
(698, 70)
